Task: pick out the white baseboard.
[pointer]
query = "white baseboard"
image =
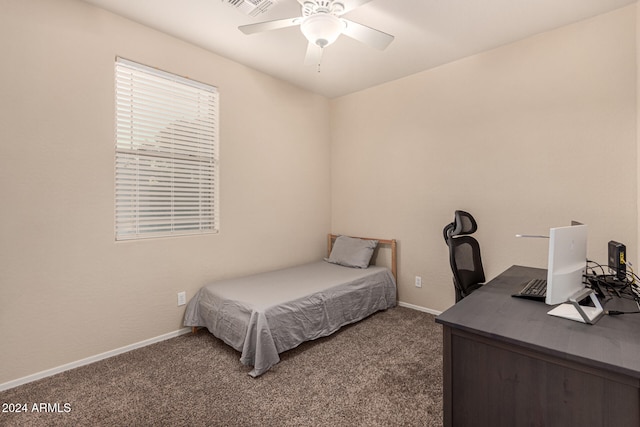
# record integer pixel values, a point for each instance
(419, 308)
(91, 359)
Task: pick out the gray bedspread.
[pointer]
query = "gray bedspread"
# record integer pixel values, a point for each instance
(265, 314)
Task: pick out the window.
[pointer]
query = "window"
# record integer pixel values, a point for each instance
(166, 165)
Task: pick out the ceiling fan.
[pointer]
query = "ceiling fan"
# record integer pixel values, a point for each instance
(322, 23)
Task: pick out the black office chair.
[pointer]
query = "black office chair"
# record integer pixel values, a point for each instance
(464, 254)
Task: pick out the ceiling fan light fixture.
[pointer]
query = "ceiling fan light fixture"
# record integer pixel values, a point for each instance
(322, 29)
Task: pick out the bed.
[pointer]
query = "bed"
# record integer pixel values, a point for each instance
(265, 314)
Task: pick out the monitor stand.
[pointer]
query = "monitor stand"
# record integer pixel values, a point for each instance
(579, 313)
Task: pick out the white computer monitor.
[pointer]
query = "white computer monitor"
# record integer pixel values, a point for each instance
(567, 262)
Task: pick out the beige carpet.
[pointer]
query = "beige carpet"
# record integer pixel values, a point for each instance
(383, 371)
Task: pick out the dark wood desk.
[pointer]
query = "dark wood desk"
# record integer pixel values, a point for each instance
(508, 363)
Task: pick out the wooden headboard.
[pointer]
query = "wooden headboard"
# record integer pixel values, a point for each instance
(392, 243)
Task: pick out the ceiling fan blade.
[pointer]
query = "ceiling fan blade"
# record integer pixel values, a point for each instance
(269, 25)
(367, 35)
(314, 54)
(352, 4)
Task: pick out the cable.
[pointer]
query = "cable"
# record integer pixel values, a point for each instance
(625, 288)
(616, 312)
(610, 285)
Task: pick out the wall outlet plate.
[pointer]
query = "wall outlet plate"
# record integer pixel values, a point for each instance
(182, 298)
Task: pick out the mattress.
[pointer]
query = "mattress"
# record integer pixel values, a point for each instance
(266, 314)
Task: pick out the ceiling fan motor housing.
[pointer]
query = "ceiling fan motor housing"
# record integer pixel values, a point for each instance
(311, 7)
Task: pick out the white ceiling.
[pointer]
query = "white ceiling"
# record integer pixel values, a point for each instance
(428, 33)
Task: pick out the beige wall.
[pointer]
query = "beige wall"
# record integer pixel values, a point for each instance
(526, 136)
(68, 290)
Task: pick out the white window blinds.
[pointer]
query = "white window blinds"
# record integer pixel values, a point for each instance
(166, 165)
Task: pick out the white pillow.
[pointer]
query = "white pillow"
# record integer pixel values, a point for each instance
(352, 252)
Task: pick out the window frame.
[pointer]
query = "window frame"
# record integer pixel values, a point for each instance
(166, 154)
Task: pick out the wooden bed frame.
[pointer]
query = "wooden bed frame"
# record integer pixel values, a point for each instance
(392, 243)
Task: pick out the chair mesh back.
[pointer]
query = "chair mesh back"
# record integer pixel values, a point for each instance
(464, 254)
(468, 264)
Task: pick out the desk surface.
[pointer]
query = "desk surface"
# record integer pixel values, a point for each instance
(613, 343)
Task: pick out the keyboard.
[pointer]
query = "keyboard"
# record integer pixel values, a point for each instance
(534, 289)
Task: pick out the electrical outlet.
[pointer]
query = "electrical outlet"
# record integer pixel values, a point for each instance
(418, 282)
(182, 298)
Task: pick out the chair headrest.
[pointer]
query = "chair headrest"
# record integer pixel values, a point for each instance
(463, 223)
